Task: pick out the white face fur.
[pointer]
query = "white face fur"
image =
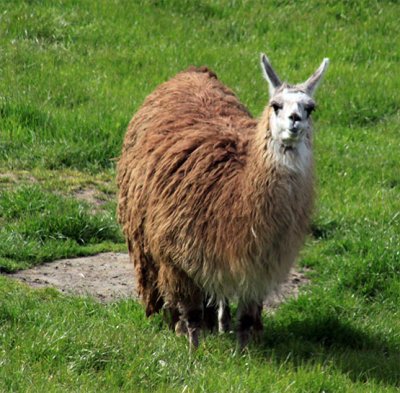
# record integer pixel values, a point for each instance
(292, 106)
(290, 118)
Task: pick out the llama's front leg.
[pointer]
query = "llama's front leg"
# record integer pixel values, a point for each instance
(258, 327)
(210, 315)
(224, 316)
(249, 321)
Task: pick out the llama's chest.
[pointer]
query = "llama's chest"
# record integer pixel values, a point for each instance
(256, 270)
(261, 255)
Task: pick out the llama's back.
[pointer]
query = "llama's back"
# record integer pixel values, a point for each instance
(182, 114)
(183, 148)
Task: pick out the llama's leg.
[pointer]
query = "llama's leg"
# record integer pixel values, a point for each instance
(249, 320)
(171, 316)
(180, 292)
(146, 275)
(258, 326)
(224, 316)
(191, 313)
(210, 315)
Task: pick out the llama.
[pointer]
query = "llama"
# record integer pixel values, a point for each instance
(215, 204)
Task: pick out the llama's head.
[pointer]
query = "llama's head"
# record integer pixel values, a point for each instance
(292, 105)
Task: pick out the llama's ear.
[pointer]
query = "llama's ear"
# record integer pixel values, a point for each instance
(314, 80)
(270, 75)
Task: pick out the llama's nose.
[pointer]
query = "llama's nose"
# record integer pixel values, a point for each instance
(294, 117)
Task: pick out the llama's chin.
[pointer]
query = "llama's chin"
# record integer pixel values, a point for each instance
(294, 156)
(292, 146)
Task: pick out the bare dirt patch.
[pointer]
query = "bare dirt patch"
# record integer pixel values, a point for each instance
(9, 179)
(89, 195)
(106, 277)
(110, 276)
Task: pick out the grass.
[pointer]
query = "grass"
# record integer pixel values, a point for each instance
(71, 76)
(312, 345)
(40, 226)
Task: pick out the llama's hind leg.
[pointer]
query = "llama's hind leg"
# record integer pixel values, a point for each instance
(172, 317)
(192, 315)
(179, 322)
(191, 309)
(182, 294)
(249, 322)
(146, 276)
(209, 319)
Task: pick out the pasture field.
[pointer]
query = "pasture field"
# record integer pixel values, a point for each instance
(72, 73)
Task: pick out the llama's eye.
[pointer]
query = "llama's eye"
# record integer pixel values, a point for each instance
(309, 109)
(276, 106)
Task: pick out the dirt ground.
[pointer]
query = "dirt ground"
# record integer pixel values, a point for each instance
(110, 276)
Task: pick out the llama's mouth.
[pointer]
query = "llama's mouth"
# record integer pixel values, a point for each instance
(290, 137)
(285, 148)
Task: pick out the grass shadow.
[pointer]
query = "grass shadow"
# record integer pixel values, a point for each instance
(328, 340)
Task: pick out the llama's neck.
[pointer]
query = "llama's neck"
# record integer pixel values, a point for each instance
(274, 201)
(274, 171)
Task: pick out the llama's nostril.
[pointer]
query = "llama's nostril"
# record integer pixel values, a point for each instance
(294, 117)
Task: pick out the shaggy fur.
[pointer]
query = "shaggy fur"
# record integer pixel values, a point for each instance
(208, 209)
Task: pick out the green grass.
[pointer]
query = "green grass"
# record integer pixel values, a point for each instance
(68, 343)
(40, 226)
(71, 76)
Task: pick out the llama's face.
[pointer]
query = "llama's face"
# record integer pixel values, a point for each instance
(292, 105)
(290, 117)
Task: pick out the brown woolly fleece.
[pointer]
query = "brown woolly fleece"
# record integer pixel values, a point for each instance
(206, 207)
